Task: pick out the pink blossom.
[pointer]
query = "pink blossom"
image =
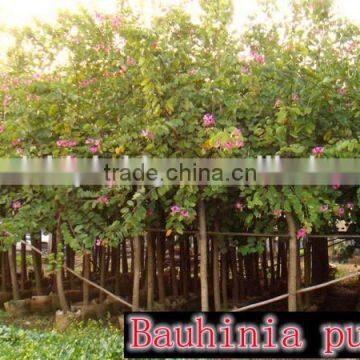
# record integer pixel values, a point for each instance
(2, 128)
(115, 22)
(277, 103)
(324, 208)
(336, 186)
(103, 199)
(6, 101)
(16, 142)
(16, 205)
(228, 145)
(277, 212)
(86, 83)
(318, 150)
(239, 144)
(147, 134)
(259, 58)
(175, 209)
(192, 72)
(4, 88)
(19, 151)
(236, 132)
(342, 91)
(245, 69)
(350, 205)
(239, 206)
(98, 242)
(91, 141)
(99, 18)
(341, 211)
(130, 61)
(351, 47)
(66, 143)
(94, 149)
(294, 97)
(209, 120)
(301, 233)
(184, 213)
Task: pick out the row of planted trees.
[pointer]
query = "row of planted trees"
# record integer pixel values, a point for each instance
(104, 84)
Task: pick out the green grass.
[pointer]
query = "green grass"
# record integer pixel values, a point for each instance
(80, 341)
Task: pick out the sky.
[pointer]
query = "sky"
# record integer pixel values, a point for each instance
(22, 12)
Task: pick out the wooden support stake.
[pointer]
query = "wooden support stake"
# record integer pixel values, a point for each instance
(292, 269)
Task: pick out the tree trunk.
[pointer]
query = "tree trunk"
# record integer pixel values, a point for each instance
(59, 271)
(70, 262)
(307, 270)
(292, 270)
(37, 269)
(86, 274)
(23, 274)
(272, 267)
(102, 272)
(137, 272)
(124, 262)
(203, 258)
(150, 271)
(117, 270)
(160, 268)
(216, 277)
(4, 281)
(12, 265)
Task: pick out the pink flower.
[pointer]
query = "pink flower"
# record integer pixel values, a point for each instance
(239, 144)
(184, 213)
(98, 242)
(277, 103)
(130, 61)
(301, 233)
(103, 199)
(350, 205)
(336, 186)
(192, 72)
(115, 22)
(16, 205)
(147, 134)
(2, 128)
(236, 132)
(228, 145)
(209, 120)
(16, 142)
(318, 150)
(277, 212)
(91, 141)
(341, 211)
(94, 149)
(175, 209)
(239, 206)
(99, 17)
(259, 58)
(19, 151)
(6, 101)
(66, 143)
(324, 208)
(245, 70)
(294, 97)
(342, 91)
